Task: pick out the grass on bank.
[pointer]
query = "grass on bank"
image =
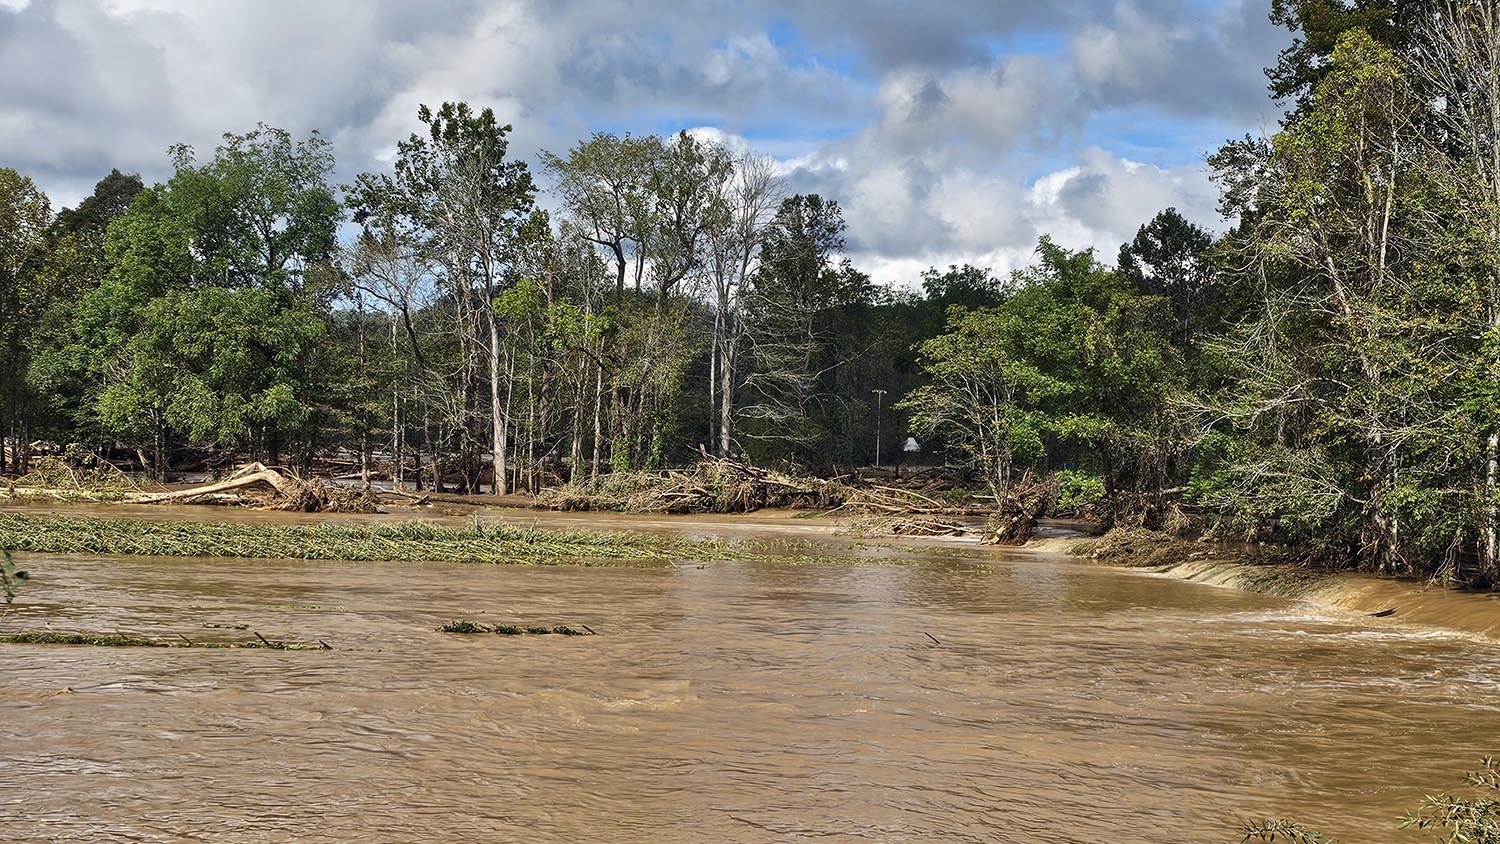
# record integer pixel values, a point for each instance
(404, 542)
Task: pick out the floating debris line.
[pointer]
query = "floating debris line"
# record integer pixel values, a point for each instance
(464, 626)
(120, 640)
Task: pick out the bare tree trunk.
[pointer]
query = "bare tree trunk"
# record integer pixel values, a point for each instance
(1490, 539)
(158, 455)
(497, 416)
(432, 457)
(713, 377)
(510, 383)
(398, 468)
(365, 450)
(726, 401)
(598, 418)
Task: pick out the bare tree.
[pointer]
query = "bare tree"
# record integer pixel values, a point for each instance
(751, 198)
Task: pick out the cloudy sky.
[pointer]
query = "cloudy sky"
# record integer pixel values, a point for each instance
(950, 130)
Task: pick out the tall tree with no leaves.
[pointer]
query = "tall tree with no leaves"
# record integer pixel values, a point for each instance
(750, 199)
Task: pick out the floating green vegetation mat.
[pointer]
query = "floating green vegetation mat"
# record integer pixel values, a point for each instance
(512, 630)
(117, 640)
(403, 542)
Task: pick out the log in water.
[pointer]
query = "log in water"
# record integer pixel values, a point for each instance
(980, 695)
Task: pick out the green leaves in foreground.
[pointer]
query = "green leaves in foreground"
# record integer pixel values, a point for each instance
(403, 542)
(1285, 831)
(1459, 819)
(10, 577)
(1455, 819)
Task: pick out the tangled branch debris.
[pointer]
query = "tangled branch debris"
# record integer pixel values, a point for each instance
(710, 486)
(255, 484)
(272, 489)
(58, 479)
(925, 526)
(1013, 523)
(729, 486)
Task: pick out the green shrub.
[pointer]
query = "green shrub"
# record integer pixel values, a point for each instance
(1077, 489)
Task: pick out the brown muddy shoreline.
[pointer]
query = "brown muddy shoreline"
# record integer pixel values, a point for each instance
(1403, 603)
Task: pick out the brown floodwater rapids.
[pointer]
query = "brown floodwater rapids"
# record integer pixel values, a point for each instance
(743, 701)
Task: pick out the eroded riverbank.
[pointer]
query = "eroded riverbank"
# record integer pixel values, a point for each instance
(745, 701)
(1401, 603)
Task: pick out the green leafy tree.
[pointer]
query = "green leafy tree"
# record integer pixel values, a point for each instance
(71, 263)
(985, 396)
(25, 213)
(262, 212)
(1170, 257)
(605, 183)
(1317, 27)
(1076, 361)
(1345, 387)
(200, 331)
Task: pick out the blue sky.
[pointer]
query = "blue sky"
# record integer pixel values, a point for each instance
(950, 132)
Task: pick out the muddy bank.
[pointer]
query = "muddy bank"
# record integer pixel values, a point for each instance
(1400, 602)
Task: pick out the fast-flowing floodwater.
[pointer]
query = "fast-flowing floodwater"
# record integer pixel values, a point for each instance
(738, 702)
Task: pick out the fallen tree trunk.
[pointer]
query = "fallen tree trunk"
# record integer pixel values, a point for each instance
(280, 492)
(248, 476)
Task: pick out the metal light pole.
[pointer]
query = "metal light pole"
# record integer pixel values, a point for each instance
(879, 395)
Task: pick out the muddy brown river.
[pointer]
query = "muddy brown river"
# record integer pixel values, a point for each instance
(737, 702)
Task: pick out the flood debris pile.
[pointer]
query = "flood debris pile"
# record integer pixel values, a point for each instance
(914, 525)
(470, 627)
(59, 479)
(1141, 547)
(254, 485)
(1266, 565)
(1014, 521)
(258, 485)
(729, 486)
(400, 542)
(709, 486)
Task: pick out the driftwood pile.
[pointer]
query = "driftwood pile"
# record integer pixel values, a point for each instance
(268, 488)
(61, 480)
(710, 486)
(913, 525)
(1013, 523)
(729, 486)
(254, 485)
